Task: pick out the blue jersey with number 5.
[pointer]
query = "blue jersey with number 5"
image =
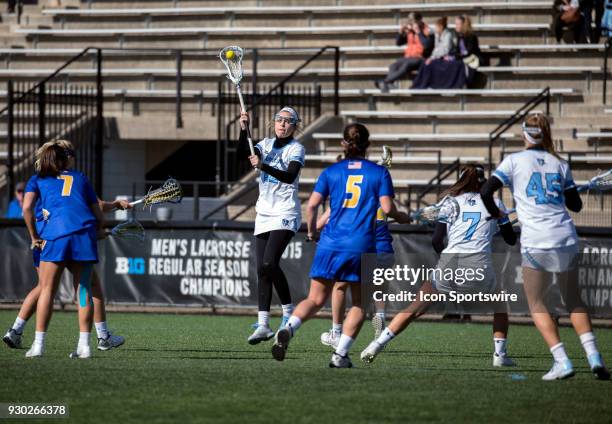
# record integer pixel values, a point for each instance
(354, 188)
(538, 180)
(65, 201)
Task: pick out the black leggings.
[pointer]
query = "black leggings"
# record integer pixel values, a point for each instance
(270, 247)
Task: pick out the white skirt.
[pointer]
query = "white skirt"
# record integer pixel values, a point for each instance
(266, 223)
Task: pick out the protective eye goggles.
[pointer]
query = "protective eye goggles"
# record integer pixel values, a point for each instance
(286, 119)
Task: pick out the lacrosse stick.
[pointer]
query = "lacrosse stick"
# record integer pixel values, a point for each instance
(231, 57)
(386, 158)
(601, 182)
(128, 229)
(446, 210)
(169, 192)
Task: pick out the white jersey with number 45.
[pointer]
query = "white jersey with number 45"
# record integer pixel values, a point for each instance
(472, 232)
(538, 180)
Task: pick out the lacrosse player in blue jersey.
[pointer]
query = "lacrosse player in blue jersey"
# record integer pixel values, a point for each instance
(68, 237)
(355, 187)
(543, 189)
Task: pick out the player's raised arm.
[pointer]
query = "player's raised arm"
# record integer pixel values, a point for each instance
(389, 208)
(107, 207)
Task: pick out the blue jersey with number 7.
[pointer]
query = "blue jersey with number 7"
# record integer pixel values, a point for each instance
(354, 188)
(65, 201)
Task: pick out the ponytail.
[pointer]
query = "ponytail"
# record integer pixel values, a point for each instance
(356, 140)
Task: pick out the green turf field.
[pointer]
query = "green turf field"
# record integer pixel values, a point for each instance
(200, 369)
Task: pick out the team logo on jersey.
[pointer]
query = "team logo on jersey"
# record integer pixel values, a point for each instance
(289, 223)
(541, 162)
(471, 202)
(354, 165)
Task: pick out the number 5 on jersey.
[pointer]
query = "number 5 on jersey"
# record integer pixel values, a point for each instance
(353, 190)
(67, 187)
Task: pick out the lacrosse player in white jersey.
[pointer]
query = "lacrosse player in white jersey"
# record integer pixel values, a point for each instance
(469, 247)
(543, 190)
(279, 215)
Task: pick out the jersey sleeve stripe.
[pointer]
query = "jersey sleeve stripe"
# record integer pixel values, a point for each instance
(502, 177)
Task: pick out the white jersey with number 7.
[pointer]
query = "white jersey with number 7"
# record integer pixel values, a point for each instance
(538, 181)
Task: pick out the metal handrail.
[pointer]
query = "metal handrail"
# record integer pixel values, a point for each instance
(517, 116)
(605, 75)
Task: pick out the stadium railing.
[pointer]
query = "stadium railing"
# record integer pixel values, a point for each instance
(49, 110)
(519, 115)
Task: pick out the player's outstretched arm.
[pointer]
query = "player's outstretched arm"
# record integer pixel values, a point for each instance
(111, 206)
(311, 214)
(389, 208)
(508, 233)
(572, 199)
(29, 200)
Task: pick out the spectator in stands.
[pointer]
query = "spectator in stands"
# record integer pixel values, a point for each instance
(566, 14)
(466, 47)
(587, 7)
(16, 205)
(418, 40)
(441, 70)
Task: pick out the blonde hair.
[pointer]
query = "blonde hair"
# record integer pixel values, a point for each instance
(51, 157)
(541, 122)
(467, 24)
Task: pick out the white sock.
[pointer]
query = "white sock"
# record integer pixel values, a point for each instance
(102, 330)
(19, 325)
(381, 314)
(336, 328)
(287, 309)
(39, 337)
(588, 343)
(263, 318)
(385, 337)
(500, 346)
(84, 339)
(294, 322)
(344, 344)
(558, 352)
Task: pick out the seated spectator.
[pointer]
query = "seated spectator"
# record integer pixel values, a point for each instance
(15, 206)
(419, 41)
(466, 47)
(566, 14)
(586, 8)
(441, 70)
(606, 22)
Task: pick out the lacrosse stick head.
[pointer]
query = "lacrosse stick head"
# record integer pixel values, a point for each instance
(130, 229)
(446, 210)
(231, 57)
(170, 192)
(602, 182)
(386, 158)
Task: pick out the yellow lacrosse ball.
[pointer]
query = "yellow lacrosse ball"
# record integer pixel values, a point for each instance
(229, 54)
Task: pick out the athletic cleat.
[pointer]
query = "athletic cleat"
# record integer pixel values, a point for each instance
(370, 352)
(261, 334)
(503, 361)
(36, 351)
(330, 338)
(339, 361)
(284, 321)
(81, 353)
(597, 367)
(13, 339)
(560, 371)
(378, 324)
(281, 343)
(110, 342)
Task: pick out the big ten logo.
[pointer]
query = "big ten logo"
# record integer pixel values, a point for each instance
(293, 250)
(130, 266)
